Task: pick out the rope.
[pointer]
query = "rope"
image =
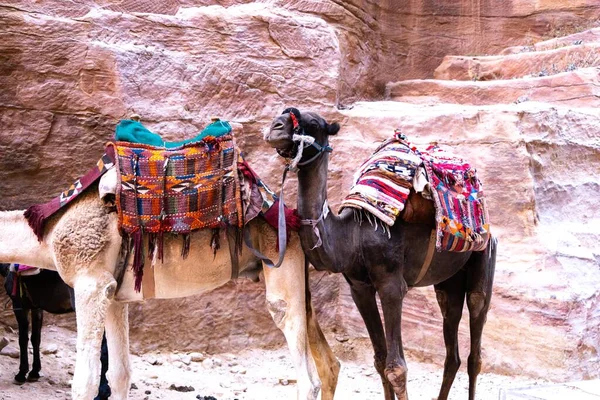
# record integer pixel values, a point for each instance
(303, 141)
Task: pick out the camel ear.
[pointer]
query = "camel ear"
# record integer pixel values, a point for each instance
(332, 129)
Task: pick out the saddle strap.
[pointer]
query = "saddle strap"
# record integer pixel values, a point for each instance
(428, 257)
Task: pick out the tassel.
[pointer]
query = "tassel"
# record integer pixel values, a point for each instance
(138, 259)
(151, 245)
(292, 220)
(215, 242)
(35, 219)
(185, 250)
(160, 241)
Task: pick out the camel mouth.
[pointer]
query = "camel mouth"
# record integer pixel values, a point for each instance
(280, 141)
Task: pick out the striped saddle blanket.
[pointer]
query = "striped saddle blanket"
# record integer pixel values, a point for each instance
(383, 183)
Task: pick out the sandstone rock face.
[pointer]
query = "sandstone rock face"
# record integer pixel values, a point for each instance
(527, 64)
(575, 89)
(69, 72)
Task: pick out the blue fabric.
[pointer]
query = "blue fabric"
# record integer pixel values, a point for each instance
(134, 132)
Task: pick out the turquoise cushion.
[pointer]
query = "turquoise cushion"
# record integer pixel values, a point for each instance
(134, 132)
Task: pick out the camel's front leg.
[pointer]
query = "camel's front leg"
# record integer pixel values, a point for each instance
(328, 365)
(93, 295)
(286, 303)
(363, 295)
(392, 288)
(117, 336)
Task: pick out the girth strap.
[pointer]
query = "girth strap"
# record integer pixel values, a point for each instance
(428, 257)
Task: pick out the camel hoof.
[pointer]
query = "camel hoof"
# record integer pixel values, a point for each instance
(33, 377)
(20, 379)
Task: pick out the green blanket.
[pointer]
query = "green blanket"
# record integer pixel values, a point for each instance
(132, 131)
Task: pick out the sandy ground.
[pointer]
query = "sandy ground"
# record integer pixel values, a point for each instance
(250, 374)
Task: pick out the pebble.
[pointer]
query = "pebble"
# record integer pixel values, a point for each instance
(147, 392)
(10, 351)
(238, 370)
(181, 388)
(197, 357)
(50, 349)
(133, 386)
(3, 343)
(186, 359)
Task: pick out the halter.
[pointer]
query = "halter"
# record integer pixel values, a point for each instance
(302, 141)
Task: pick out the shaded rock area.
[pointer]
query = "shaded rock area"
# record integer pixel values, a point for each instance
(70, 71)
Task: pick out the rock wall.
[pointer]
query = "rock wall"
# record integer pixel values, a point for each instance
(69, 72)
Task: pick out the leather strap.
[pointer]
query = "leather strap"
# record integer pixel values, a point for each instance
(233, 252)
(428, 257)
(281, 232)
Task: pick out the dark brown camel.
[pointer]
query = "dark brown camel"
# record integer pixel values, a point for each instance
(373, 264)
(34, 295)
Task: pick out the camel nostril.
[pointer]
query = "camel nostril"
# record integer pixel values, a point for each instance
(277, 125)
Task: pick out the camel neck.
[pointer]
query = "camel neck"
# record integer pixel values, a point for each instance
(18, 243)
(312, 197)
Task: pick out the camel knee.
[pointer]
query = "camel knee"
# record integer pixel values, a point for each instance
(379, 362)
(278, 310)
(476, 303)
(110, 290)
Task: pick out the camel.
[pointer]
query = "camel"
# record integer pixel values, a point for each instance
(38, 293)
(373, 263)
(82, 242)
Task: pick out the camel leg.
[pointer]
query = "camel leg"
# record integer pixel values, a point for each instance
(37, 319)
(287, 305)
(451, 297)
(117, 337)
(327, 364)
(22, 316)
(364, 297)
(391, 289)
(93, 295)
(480, 279)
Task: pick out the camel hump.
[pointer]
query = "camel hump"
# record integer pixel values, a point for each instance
(418, 210)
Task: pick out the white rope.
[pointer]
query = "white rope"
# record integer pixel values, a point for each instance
(304, 141)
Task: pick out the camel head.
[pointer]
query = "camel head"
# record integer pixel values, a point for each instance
(291, 127)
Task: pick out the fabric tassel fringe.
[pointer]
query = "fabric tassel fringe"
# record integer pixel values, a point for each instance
(36, 220)
(138, 259)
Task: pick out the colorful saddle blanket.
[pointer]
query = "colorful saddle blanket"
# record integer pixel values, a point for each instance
(178, 190)
(383, 182)
(461, 212)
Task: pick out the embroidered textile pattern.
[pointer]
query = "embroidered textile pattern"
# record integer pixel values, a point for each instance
(37, 215)
(178, 190)
(461, 212)
(382, 183)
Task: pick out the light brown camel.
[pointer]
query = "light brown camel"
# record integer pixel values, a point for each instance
(82, 243)
(374, 263)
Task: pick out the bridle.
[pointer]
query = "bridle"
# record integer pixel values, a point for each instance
(301, 141)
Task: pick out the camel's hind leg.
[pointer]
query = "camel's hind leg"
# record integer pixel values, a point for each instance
(286, 303)
(117, 337)
(480, 277)
(327, 364)
(451, 297)
(93, 295)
